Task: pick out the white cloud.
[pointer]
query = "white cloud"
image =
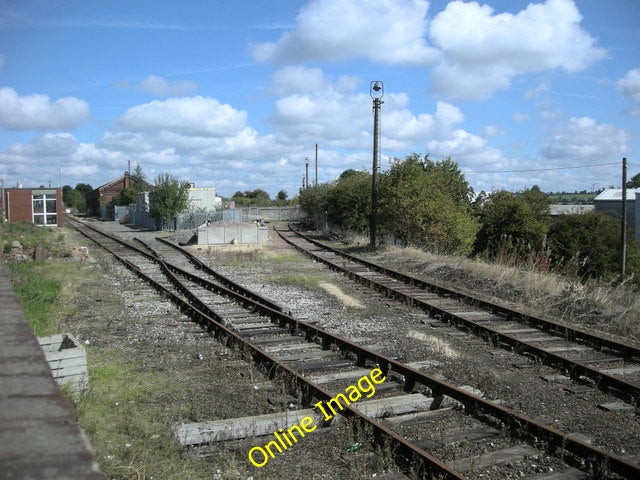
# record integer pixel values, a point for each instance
(333, 119)
(493, 131)
(582, 141)
(297, 79)
(484, 51)
(198, 116)
(38, 112)
(629, 85)
(42, 158)
(385, 31)
(161, 87)
(538, 90)
(520, 117)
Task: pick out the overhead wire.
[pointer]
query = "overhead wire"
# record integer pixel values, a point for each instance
(544, 169)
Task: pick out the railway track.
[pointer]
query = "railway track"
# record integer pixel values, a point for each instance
(582, 356)
(298, 351)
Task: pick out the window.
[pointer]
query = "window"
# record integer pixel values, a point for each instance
(44, 208)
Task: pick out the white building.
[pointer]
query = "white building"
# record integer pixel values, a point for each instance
(204, 199)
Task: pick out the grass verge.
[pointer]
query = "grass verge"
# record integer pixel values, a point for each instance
(29, 236)
(613, 309)
(43, 288)
(127, 418)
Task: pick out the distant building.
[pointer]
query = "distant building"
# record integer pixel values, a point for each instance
(610, 203)
(204, 199)
(40, 206)
(570, 209)
(98, 199)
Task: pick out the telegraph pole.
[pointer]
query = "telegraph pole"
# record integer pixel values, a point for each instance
(376, 90)
(316, 182)
(306, 171)
(623, 234)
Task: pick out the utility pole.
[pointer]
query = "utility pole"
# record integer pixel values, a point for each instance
(316, 182)
(376, 90)
(306, 171)
(623, 233)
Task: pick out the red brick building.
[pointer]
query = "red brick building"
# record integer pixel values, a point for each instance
(103, 195)
(41, 206)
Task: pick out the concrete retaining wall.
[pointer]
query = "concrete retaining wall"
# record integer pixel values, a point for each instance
(243, 234)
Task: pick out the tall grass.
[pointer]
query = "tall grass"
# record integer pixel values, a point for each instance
(39, 295)
(30, 236)
(612, 308)
(128, 420)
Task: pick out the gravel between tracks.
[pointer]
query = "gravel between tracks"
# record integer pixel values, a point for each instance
(117, 311)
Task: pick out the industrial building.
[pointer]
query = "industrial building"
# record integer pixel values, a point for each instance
(610, 202)
(40, 206)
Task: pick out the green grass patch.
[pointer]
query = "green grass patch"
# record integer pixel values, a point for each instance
(39, 297)
(243, 256)
(283, 257)
(41, 288)
(296, 279)
(128, 414)
(30, 236)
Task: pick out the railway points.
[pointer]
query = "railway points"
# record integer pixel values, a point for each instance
(409, 379)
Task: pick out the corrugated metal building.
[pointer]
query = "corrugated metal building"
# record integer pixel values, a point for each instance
(41, 206)
(610, 203)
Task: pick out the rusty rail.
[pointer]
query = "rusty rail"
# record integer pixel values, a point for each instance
(407, 455)
(627, 391)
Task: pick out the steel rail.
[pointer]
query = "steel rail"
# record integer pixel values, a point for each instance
(626, 350)
(520, 426)
(408, 456)
(200, 265)
(627, 391)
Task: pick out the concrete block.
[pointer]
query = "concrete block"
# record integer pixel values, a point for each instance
(68, 361)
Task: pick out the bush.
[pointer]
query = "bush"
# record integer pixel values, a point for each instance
(515, 222)
(588, 246)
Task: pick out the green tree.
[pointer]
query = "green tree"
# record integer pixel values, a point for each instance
(517, 222)
(349, 207)
(588, 246)
(138, 182)
(448, 179)
(137, 185)
(634, 182)
(426, 204)
(282, 196)
(65, 194)
(257, 198)
(168, 197)
(314, 202)
(84, 188)
(73, 198)
(344, 204)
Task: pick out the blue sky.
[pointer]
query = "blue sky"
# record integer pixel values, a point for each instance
(235, 94)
